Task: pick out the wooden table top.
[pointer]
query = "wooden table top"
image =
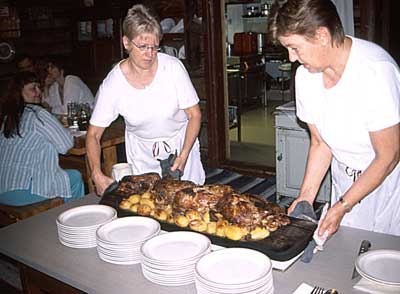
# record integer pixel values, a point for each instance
(113, 135)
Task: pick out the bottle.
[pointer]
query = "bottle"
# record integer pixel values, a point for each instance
(83, 121)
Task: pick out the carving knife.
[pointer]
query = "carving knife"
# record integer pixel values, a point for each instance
(365, 245)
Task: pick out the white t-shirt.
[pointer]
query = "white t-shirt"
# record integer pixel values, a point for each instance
(365, 99)
(75, 90)
(154, 116)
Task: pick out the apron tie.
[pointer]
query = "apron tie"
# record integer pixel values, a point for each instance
(156, 148)
(353, 173)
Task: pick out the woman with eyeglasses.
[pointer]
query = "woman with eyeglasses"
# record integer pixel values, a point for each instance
(154, 94)
(348, 93)
(30, 141)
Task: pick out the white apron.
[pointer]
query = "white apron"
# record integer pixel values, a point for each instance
(143, 155)
(379, 211)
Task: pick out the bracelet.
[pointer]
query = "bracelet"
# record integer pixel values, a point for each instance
(345, 205)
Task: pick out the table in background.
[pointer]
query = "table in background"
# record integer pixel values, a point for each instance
(76, 158)
(34, 243)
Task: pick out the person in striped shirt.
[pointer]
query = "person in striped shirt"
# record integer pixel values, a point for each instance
(30, 141)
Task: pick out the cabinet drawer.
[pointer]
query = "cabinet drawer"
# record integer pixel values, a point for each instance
(289, 120)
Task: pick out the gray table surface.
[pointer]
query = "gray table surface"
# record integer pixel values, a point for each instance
(34, 242)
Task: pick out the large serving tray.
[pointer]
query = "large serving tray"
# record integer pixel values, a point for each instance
(283, 244)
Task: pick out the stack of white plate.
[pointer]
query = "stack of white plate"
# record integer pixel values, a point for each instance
(77, 226)
(381, 267)
(119, 241)
(169, 259)
(234, 270)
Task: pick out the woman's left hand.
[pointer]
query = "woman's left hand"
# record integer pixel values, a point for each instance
(332, 220)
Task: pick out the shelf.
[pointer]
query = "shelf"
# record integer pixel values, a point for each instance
(173, 37)
(242, 2)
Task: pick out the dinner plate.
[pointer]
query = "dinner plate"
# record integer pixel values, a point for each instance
(175, 247)
(381, 266)
(128, 230)
(86, 216)
(233, 267)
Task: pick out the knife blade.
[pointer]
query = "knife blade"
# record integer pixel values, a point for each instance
(364, 247)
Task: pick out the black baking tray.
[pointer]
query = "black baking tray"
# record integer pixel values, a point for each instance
(283, 244)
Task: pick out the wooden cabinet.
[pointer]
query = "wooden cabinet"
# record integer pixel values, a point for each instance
(35, 282)
(187, 15)
(45, 27)
(97, 42)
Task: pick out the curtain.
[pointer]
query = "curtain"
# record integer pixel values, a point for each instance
(345, 10)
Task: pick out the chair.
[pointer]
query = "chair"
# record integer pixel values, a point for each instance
(11, 214)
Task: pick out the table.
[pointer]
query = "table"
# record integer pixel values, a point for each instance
(34, 242)
(76, 157)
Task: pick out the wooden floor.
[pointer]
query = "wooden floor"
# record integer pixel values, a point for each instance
(7, 289)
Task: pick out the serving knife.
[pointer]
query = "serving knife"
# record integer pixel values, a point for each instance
(364, 247)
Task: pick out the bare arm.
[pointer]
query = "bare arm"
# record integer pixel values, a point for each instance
(93, 148)
(192, 131)
(318, 161)
(386, 144)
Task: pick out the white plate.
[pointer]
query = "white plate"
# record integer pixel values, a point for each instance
(382, 266)
(233, 266)
(128, 230)
(167, 24)
(175, 247)
(86, 216)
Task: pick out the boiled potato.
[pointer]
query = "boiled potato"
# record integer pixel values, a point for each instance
(181, 221)
(134, 207)
(135, 198)
(198, 225)
(144, 210)
(193, 215)
(148, 202)
(259, 233)
(212, 228)
(125, 204)
(233, 232)
(159, 214)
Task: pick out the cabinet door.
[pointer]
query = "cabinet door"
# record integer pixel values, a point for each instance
(291, 158)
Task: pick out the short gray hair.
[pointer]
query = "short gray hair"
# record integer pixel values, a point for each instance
(140, 20)
(304, 17)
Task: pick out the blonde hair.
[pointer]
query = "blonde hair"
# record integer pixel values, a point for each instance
(140, 20)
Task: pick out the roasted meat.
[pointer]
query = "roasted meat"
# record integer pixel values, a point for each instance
(249, 210)
(240, 209)
(165, 190)
(137, 184)
(200, 198)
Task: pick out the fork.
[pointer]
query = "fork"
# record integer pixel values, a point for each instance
(318, 290)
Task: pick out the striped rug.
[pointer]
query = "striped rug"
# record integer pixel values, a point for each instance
(258, 186)
(244, 184)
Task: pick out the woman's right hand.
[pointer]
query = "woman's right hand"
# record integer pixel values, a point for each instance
(297, 200)
(102, 182)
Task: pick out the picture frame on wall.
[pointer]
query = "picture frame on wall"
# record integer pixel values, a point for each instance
(88, 3)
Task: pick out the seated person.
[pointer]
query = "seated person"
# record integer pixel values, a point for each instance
(24, 62)
(61, 88)
(30, 141)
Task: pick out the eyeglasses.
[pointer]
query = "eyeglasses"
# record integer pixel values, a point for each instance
(145, 47)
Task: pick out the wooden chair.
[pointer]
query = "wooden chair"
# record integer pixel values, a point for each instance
(11, 214)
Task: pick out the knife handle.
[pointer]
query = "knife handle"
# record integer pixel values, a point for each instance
(365, 245)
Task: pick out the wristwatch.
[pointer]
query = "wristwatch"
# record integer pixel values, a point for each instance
(345, 205)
